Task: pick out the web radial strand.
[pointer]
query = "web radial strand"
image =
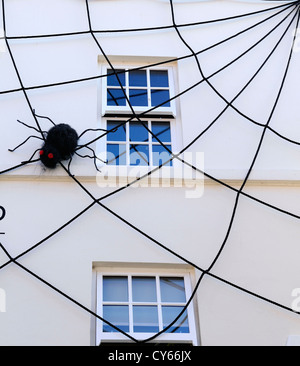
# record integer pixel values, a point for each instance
(98, 202)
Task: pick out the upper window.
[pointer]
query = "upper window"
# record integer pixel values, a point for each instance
(148, 90)
(143, 305)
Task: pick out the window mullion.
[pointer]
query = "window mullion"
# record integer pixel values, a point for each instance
(160, 320)
(150, 143)
(100, 301)
(130, 304)
(127, 143)
(148, 88)
(127, 85)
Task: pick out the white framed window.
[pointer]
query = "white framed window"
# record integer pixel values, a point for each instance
(144, 303)
(133, 144)
(146, 89)
(134, 138)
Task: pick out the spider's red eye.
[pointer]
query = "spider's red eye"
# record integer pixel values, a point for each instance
(50, 156)
(42, 152)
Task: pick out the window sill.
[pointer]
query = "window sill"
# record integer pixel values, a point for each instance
(141, 176)
(163, 338)
(154, 115)
(179, 176)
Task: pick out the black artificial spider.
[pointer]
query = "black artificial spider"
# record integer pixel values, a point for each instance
(60, 143)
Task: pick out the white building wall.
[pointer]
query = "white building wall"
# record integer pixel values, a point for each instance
(261, 254)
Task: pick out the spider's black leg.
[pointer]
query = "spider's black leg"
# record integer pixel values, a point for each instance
(30, 159)
(95, 163)
(24, 142)
(94, 157)
(49, 119)
(94, 154)
(98, 138)
(95, 130)
(69, 165)
(90, 157)
(33, 128)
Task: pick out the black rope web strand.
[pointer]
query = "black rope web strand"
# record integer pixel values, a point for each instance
(98, 201)
(203, 272)
(143, 114)
(244, 182)
(17, 71)
(175, 59)
(211, 124)
(146, 29)
(178, 59)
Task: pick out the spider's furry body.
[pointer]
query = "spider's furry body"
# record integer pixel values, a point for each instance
(61, 143)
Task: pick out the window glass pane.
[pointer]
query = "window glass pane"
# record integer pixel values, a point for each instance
(159, 78)
(169, 315)
(138, 78)
(172, 289)
(112, 79)
(162, 130)
(139, 155)
(138, 97)
(115, 288)
(138, 132)
(160, 96)
(116, 154)
(116, 97)
(145, 319)
(144, 289)
(119, 134)
(118, 315)
(161, 155)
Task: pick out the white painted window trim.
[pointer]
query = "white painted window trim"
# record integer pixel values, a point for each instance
(155, 272)
(125, 110)
(129, 173)
(149, 143)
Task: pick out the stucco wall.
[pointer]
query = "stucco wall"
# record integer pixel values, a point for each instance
(261, 254)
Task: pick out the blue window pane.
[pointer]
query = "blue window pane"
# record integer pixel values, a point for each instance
(172, 289)
(119, 134)
(144, 289)
(161, 155)
(159, 97)
(159, 78)
(162, 130)
(138, 132)
(145, 319)
(138, 97)
(116, 97)
(116, 154)
(117, 315)
(112, 78)
(138, 78)
(170, 313)
(115, 288)
(139, 155)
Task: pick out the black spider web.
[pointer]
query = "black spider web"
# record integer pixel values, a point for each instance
(290, 11)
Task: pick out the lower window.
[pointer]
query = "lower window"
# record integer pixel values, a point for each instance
(134, 144)
(142, 305)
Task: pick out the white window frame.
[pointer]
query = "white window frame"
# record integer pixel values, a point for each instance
(128, 173)
(116, 337)
(149, 143)
(125, 110)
